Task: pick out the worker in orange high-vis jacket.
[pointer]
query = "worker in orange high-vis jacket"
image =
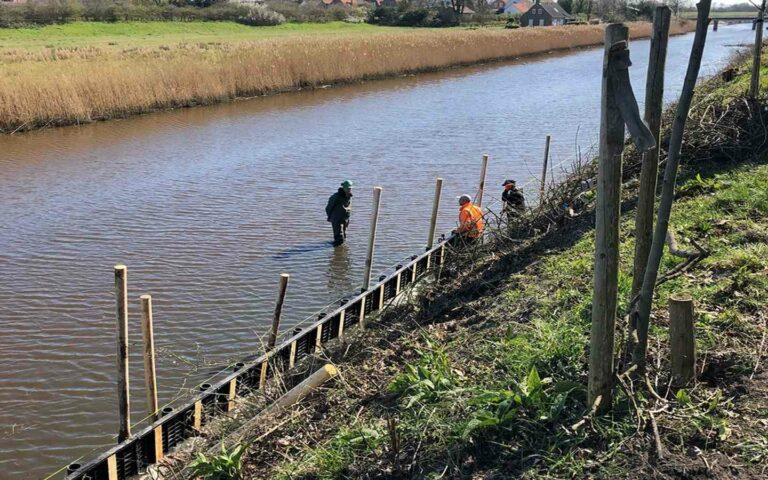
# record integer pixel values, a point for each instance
(471, 224)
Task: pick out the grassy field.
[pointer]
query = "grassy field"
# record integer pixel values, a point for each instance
(117, 36)
(79, 73)
(485, 377)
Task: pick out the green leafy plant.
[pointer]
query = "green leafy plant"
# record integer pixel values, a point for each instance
(429, 380)
(227, 465)
(529, 398)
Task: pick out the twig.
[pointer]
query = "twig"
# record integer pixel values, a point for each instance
(589, 415)
(657, 438)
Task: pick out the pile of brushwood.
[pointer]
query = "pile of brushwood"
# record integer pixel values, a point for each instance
(483, 375)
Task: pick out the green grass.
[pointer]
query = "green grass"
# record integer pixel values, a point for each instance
(138, 34)
(510, 391)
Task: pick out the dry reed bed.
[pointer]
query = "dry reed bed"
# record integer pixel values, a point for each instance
(77, 89)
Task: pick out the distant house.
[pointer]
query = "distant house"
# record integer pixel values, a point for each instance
(350, 3)
(516, 7)
(544, 14)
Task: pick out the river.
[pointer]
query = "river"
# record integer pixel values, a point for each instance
(206, 207)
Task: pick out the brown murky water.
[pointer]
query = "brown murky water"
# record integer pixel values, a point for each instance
(207, 206)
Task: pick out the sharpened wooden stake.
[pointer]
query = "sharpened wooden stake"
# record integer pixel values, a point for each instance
(682, 343)
(644, 303)
(654, 96)
(372, 238)
(543, 186)
(150, 376)
(435, 209)
(281, 289)
(606, 275)
(123, 393)
(481, 190)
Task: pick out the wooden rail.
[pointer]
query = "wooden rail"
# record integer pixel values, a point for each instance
(134, 454)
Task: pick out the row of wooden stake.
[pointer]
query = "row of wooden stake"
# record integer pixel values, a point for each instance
(147, 327)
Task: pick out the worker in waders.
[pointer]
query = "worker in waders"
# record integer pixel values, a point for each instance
(513, 201)
(338, 211)
(471, 224)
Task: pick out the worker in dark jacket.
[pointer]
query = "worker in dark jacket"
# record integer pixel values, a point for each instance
(512, 199)
(338, 211)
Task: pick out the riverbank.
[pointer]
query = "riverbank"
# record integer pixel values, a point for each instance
(80, 82)
(483, 378)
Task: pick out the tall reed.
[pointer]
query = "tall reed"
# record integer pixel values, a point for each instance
(83, 85)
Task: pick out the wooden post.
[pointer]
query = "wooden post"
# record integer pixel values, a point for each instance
(606, 231)
(483, 169)
(714, 24)
(435, 208)
(642, 309)
(372, 238)
(681, 338)
(754, 84)
(123, 393)
(654, 93)
(281, 289)
(148, 332)
(544, 171)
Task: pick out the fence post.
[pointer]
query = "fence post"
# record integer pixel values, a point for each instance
(654, 93)
(435, 208)
(281, 289)
(681, 338)
(642, 308)
(372, 238)
(544, 171)
(604, 299)
(754, 84)
(714, 24)
(150, 376)
(483, 169)
(123, 393)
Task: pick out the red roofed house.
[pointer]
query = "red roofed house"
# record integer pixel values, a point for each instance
(517, 7)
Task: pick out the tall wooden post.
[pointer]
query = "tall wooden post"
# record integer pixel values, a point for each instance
(544, 171)
(435, 209)
(714, 24)
(481, 190)
(644, 303)
(272, 340)
(754, 84)
(281, 289)
(654, 93)
(123, 393)
(372, 237)
(606, 275)
(681, 339)
(150, 376)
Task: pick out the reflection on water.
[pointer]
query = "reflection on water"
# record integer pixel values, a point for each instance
(207, 206)
(308, 248)
(339, 271)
